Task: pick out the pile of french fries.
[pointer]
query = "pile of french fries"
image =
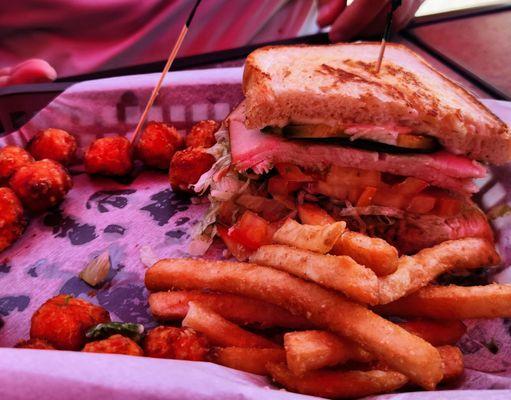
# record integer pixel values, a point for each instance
(327, 290)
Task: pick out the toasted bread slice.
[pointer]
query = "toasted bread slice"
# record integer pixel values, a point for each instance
(336, 85)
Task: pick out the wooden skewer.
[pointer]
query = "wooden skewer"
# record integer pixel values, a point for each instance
(168, 64)
(380, 57)
(386, 34)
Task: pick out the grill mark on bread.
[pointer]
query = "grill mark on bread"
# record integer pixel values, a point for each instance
(480, 133)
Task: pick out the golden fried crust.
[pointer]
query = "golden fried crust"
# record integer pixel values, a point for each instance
(12, 221)
(116, 344)
(63, 321)
(41, 184)
(34, 344)
(176, 343)
(11, 159)
(202, 134)
(187, 166)
(157, 145)
(53, 144)
(110, 156)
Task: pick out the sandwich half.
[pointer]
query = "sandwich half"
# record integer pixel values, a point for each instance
(394, 154)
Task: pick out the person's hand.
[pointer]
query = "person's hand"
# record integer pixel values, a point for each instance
(30, 71)
(362, 17)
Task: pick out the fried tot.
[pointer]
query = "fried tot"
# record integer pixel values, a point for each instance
(115, 344)
(187, 166)
(157, 144)
(316, 238)
(38, 344)
(202, 134)
(221, 332)
(41, 184)
(176, 343)
(12, 222)
(171, 306)
(110, 156)
(12, 158)
(401, 350)
(63, 321)
(335, 272)
(53, 144)
(417, 271)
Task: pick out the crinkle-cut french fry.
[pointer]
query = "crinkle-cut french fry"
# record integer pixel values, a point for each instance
(390, 343)
(312, 350)
(312, 214)
(316, 238)
(173, 305)
(251, 360)
(334, 272)
(374, 253)
(417, 271)
(221, 332)
(453, 302)
(438, 333)
(337, 384)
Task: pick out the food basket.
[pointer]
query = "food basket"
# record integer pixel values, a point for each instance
(139, 220)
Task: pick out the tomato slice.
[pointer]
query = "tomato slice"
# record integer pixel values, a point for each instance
(447, 206)
(386, 197)
(251, 231)
(366, 197)
(312, 214)
(292, 173)
(240, 252)
(422, 204)
(410, 186)
(277, 185)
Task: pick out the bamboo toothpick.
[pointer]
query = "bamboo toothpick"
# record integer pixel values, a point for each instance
(386, 34)
(170, 60)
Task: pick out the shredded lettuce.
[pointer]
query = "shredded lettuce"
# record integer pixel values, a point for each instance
(223, 184)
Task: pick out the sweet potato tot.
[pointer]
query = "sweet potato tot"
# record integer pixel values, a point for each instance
(453, 302)
(334, 272)
(401, 350)
(247, 359)
(221, 332)
(337, 384)
(173, 305)
(417, 271)
(374, 253)
(316, 238)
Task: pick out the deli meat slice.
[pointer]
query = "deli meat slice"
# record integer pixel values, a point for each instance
(253, 149)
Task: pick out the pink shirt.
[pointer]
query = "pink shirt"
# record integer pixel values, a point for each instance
(78, 36)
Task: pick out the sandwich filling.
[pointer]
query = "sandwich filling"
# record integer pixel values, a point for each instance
(261, 178)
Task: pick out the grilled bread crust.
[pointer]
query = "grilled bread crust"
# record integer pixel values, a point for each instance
(336, 85)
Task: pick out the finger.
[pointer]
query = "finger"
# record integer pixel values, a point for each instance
(32, 71)
(355, 18)
(402, 16)
(329, 10)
